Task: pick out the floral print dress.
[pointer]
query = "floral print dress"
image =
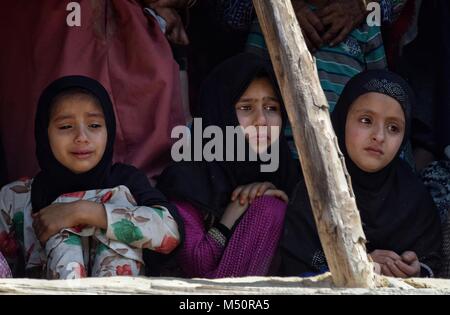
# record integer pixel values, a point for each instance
(83, 250)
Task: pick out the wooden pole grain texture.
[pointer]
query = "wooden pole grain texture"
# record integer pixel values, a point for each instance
(327, 180)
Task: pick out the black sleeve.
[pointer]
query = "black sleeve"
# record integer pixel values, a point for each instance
(429, 247)
(223, 229)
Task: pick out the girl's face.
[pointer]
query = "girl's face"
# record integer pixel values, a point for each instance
(77, 133)
(374, 131)
(259, 107)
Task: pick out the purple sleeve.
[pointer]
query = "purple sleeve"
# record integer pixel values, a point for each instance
(200, 253)
(5, 272)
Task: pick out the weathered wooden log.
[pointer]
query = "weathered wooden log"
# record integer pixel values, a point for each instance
(327, 180)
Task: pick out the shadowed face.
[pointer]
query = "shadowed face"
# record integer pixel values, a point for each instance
(260, 107)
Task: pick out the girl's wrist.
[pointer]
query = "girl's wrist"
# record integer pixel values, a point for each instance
(81, 214)
(91, 213)
(227, 222)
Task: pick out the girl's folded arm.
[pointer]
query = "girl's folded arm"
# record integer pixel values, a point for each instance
(142, 227)
(202, 249)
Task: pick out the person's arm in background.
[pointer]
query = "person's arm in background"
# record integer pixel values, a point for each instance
(168, 10)
(340, 18)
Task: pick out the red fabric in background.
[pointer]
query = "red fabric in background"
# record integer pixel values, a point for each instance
(116, 45)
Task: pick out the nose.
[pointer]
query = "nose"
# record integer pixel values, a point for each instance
(81, 136)
(260, 118)
(378, 134)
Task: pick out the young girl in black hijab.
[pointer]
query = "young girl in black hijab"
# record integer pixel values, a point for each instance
(233, 211)
(372, 122)
(90, 216)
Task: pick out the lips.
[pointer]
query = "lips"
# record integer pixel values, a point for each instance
(260, 136)
(82, 154)
(374, 150)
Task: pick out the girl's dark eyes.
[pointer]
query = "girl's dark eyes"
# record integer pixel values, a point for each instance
(244, 107)
(365, 120)
(393, 129)
(272, 108)
(66, 127)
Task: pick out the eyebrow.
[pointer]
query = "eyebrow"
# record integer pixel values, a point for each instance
(264, 99)
(62, 117)
(90, 115)
(95, 114)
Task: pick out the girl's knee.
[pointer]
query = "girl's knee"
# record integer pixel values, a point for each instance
(270, 208)
(108, 263)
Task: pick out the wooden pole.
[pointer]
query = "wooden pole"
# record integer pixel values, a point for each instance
(327, 180)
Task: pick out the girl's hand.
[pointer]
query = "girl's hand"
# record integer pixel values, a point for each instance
(393, 265)
(406, 267)
(277, 193)
(232, 213)
(248, 193)
(243, 196)
(385, 258)
(52, 219)
(409, 264)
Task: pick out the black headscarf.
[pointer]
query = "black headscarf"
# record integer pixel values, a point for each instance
(54, 179)
(208, 185)
(397, 212)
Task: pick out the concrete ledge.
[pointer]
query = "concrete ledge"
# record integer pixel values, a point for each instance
(234, 286)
